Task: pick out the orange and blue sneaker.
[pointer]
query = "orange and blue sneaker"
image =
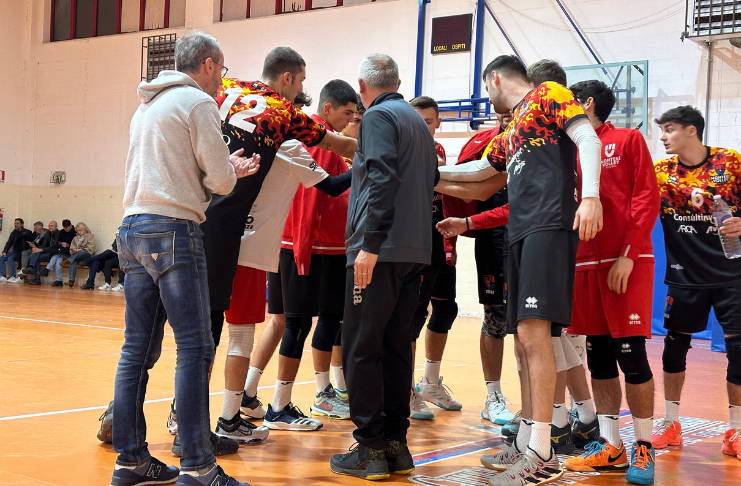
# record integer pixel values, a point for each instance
(642, 463)
(600, 456)
(669, 433)
(732, 443)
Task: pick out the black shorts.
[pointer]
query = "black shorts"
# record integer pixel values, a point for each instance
(540, 278)
(687, 310)
(332, 284)
(438, 282)
(222, 254)
(489, 268)
(290, 293)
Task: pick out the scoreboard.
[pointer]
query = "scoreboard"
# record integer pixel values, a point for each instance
(451, 34)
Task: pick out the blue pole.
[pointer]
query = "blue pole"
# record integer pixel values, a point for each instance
(479, 53)
(578, 32)
(501, 29)
(420, 47)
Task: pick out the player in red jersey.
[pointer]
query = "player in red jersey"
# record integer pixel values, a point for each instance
(698, 274)
(613, 291)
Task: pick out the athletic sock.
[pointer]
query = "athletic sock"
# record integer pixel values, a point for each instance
(432, 371)
(609, 428)
(540, 441)
(339, 377)
(523, 434)
(493, 387)
(322, 380)
(734, 417)
(253, 379)
(643, 428)
(232, 401)
(560, 417)
(672, 410)
(586, 411)
(282, 395)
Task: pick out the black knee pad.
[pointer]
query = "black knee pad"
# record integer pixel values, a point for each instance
(444, 313)
(294, 337)
(601, 357)
(327, 329)
(632, 358)
(420, 316)
(733, 352)
(217, 325)
(676, 346)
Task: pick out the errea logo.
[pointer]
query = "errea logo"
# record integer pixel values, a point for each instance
(626, 348)
(531, 303)
(634, 319)
(357, 298)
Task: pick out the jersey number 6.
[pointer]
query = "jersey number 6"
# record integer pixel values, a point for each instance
(239, 119)
(697, 198)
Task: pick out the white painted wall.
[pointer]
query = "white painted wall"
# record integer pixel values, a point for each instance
(77, 97)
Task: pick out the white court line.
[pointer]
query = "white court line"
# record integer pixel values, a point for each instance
(103, 407)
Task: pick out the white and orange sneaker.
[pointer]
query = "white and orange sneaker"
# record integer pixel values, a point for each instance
(732, 443)
(669, 433)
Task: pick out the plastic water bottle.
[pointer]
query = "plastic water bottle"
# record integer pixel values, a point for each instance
(721, 212)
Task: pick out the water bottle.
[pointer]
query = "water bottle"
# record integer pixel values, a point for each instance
(721, 212)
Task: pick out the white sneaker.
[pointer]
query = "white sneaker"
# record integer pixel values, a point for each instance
(117, 288)
(14, 280)
(437, 394)
(495, 409)
(503, 460)
(172, 420)
(105, 287)
(3, 279)
(418, 408)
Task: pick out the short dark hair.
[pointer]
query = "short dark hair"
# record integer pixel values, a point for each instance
(66, 222)
(685, 116)
(39, 223)
(20, 220)
(337, 93)
(603, 96)
(282, 60)
(508, 66)
(360, 106)
(546, 70)
(424, 102)
(303, 99)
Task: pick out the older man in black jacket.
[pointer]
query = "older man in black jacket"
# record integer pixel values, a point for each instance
(388, 243)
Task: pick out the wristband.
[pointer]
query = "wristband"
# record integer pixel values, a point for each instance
(468, 228)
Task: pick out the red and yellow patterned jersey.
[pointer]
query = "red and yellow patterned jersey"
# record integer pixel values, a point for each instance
(257, 119)
(694, 255)
(540, 160)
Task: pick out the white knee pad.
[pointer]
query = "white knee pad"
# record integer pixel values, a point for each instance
(558, 354)
(241, 340)
(579, 341)
(572, 357)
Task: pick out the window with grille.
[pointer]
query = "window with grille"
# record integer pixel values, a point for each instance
(713, 18)
(245, 9)
(158, 54)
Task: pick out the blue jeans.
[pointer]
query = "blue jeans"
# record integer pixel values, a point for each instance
(74, 260)
(10, 258)
(166, 279)
(56, 264)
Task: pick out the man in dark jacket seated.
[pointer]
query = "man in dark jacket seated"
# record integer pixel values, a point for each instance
(105, 262)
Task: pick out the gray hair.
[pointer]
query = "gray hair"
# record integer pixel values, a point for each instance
(379, 71)
(193, 48)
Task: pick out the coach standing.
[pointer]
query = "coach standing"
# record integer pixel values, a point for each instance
(388, 243)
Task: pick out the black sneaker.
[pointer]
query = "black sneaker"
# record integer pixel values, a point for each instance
(44, 272)
(361, 462)
(28, 271)
(57, 283)
(398, 457)
(88, 286)
(562, 440)
(511, 428)
(240, 430)
(35, 281)
(105, 434)
(585, 433)
(152, 472)
(212, 475)
(222, 445)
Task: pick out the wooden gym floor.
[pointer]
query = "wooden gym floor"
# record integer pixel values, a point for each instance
(58, 353)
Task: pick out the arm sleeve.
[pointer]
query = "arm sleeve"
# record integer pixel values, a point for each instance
(474, 171)
(334, 186)
(491, 218)
(590, 149)
(302, 163)
(209, 148)
(381, 158)
(645, 200)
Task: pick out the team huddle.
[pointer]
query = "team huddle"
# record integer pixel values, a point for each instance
(333, 210)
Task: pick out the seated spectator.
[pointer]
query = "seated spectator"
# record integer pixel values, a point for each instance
(81, 250)
(60, 252)
(38, 234)
(17, 242)
(42, 253)
(108, 260)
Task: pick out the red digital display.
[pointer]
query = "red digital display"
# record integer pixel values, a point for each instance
(451, 34)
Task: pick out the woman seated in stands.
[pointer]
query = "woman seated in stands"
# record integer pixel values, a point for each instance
(81, 250)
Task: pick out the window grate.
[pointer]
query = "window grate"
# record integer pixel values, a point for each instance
(158, 54)
(713, 18)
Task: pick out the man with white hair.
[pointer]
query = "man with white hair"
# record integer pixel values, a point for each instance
(388, 242)
(177, 159)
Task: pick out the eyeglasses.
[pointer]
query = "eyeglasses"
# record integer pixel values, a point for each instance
(224, 69)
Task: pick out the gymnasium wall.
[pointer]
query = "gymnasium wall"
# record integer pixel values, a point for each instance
(67, 105)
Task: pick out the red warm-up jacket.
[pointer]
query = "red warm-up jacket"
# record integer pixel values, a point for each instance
(316, 222)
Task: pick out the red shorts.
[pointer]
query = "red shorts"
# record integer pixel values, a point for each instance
(597, 310)
(248, 297)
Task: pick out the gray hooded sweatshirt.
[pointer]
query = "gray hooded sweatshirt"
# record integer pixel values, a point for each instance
(177, 156)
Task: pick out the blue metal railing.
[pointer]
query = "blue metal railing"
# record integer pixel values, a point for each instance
(467, 109)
